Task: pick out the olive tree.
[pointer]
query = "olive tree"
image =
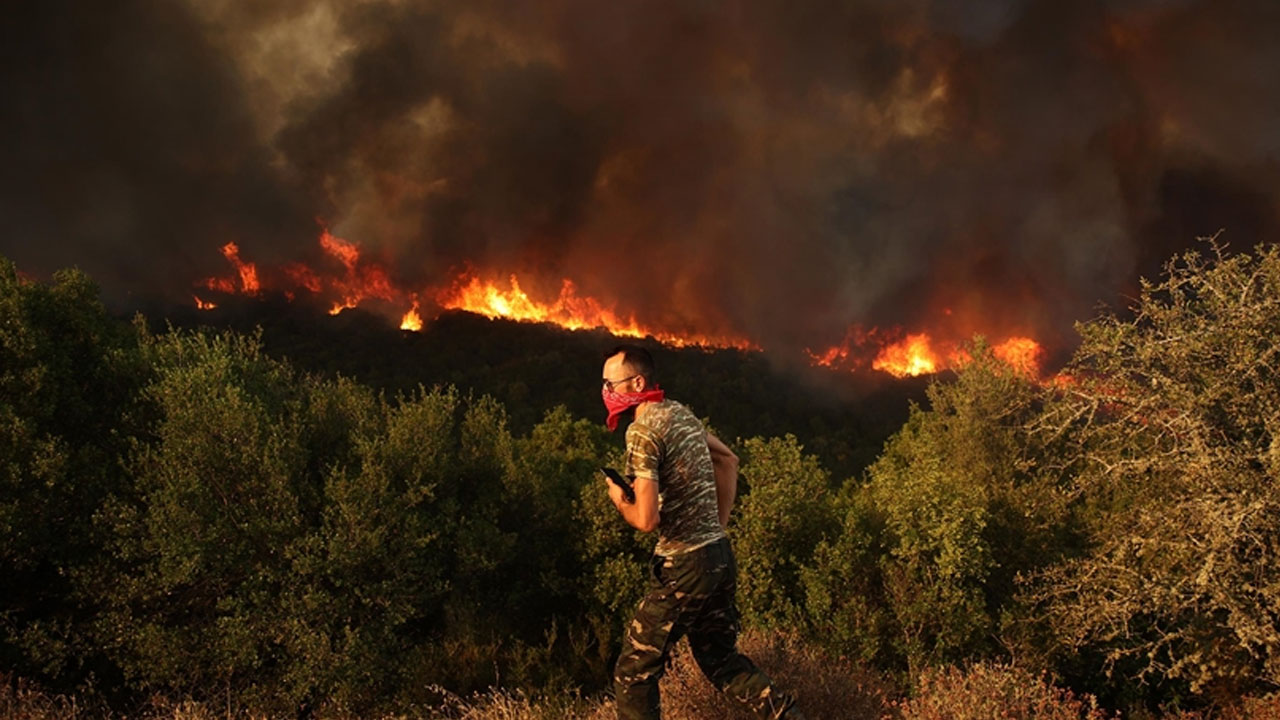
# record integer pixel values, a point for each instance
(1170, 419)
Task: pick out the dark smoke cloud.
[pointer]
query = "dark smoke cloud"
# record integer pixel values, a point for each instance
(129, 147)
(780, 170)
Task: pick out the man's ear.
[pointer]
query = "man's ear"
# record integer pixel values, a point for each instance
(642, 383)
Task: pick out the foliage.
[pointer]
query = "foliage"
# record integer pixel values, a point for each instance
(923, 568)
(69, 379)
(186, 513)
(290, 538)
(1175, 417)
(779, 523)
(985, 690)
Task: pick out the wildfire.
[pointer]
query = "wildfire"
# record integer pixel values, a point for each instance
(345, 278)
(246, 272)
(361, 280)
(911, 357)
(569, 310)
(1022, 354)
(920, 354)
(411, 320)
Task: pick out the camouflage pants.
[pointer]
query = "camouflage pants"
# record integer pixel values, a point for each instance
(693, 594)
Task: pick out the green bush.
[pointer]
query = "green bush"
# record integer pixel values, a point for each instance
(69, 382)
(203, 539)
(923, 569)
(777, 526)
(186, 514)
(1174, 417)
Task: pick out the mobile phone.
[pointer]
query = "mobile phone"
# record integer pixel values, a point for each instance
(616, 478)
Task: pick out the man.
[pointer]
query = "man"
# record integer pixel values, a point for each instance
(684, 480)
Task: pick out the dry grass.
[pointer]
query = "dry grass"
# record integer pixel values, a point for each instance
(828, 689)
(987, 690)
(20, 700)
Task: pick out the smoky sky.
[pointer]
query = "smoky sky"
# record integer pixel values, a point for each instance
(777, 170)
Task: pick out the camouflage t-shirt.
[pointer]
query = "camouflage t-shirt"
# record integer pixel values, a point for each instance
(669, 445)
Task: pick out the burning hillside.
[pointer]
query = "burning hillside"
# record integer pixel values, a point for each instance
(347, 281)
(862, 184)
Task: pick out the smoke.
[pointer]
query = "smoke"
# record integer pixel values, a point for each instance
(779, 171)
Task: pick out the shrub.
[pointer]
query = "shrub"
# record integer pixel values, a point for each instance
(984, 691)
(1174, 415)
(777, 526)
(923, 567)
(203, 541)
(69, 378)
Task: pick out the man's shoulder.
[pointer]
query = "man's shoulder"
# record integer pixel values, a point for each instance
(643, 430)
(679, 414)
(662, 415)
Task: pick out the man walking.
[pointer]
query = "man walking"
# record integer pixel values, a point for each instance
(685, 480)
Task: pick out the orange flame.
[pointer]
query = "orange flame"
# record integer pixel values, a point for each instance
(358, 281)
(303, 277)
(246, 272)
(345, 252)
(355, 279)
(1022, 354)
(911, 357)
(570, 310)
(831, 357)
(412, 320)
(921, 354)
(362, 280)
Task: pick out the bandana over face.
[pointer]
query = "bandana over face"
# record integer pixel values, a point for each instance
(617, 403)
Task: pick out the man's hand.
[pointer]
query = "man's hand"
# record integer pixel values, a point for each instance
(643, 513)
(615, 494)
(725, 465)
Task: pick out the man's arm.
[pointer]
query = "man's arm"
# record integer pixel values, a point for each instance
(725, 465)
(643, 514)
(640, 466)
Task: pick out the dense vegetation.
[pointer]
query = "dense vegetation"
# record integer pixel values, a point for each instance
(186, 512)
(842, 418)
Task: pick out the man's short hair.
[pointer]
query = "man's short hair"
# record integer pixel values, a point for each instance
(635, 357)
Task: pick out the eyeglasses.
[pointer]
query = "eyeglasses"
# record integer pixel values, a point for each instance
(611, 384)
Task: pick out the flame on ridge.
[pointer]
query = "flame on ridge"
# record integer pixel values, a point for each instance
(246, 272)
(354, 280)
(912, 357)
(919, 354)
(570, 310)
(412, 320)
(1022, 354)
(361, 281)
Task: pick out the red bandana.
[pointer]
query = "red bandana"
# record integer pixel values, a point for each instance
(617, 403)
